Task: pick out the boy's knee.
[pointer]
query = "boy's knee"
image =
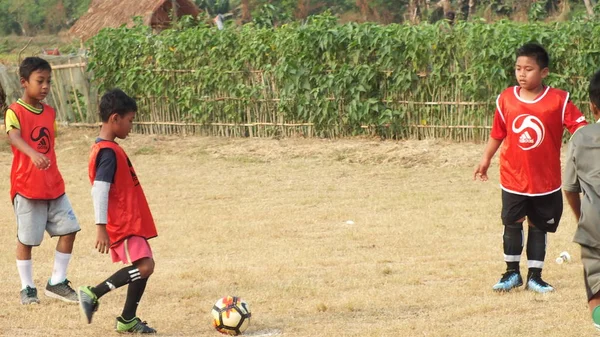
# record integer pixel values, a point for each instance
(69, 237)
(146, 267)
(515, 226)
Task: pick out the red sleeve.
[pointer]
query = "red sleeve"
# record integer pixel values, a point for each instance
(498, 127)
(573, 119)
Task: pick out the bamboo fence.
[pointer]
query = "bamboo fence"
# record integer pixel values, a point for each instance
(449, 116)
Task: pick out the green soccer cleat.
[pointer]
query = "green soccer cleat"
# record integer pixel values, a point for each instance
(29, 296)
(61, 291)
(134, 326)
(88, 302)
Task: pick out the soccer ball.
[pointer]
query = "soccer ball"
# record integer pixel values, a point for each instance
(231, 315)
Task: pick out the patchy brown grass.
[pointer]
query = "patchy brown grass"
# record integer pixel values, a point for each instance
(266, 220)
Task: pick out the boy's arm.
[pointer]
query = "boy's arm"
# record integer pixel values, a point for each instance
(490, 149)
(574, 201)
(571, 185)
(573, 118)
(105, 171)
(39, 160)
(496, 137)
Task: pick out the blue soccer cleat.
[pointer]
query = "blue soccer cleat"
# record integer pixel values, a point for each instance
(536, 284)
(509, 280)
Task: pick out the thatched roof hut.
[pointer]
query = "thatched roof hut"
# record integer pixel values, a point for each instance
(114, 13)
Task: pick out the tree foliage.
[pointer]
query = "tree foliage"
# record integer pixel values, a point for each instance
(30, 17)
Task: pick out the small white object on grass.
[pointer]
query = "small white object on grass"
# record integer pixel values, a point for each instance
(349, 222)
(563, 257)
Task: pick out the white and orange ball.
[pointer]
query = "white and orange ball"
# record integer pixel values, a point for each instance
(231, 315)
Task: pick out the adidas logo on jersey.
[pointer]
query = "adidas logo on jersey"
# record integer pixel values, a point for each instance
(526, 138)
(42, 145)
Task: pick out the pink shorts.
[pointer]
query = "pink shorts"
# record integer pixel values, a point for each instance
(130, 250)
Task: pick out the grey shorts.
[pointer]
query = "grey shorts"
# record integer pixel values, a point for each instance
(590, 258)
(36, 216)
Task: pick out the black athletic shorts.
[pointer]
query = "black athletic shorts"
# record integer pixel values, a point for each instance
(543, 211)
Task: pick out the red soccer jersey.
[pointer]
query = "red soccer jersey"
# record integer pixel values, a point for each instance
(128, 211)
(37, 130)
(532, 136)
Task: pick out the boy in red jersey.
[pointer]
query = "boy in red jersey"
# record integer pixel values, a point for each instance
(37, 189)
(528, 123)
(123, 219)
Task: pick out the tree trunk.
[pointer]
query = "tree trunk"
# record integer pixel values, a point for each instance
(174, 7)
(363, 7)
(245, 5)
(445, 4)
(463, 9)
(472, 7)
(413, 11)
(302, 9)
(589, 7)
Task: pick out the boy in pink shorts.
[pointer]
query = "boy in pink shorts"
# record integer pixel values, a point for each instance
(124, 222)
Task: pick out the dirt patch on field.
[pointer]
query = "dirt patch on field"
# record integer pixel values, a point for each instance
(405, 153)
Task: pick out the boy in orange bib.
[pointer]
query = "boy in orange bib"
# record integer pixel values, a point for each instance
(124, 222)
(37, 189)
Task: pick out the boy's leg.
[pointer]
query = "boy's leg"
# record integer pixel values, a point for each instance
(135, 290)
(536, 249)
(544, 214)
(134, 248)
(63, 223)
(590, 258)
(31, 219)
(513, 212)
(117, 280)
(513, 245)
(128, 321)
(24, 259)
(62, 257)
(140, 252)
(88, 296)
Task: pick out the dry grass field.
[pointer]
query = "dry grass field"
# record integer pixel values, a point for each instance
(266, 220)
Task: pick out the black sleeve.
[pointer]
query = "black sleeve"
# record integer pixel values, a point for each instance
(106, 165)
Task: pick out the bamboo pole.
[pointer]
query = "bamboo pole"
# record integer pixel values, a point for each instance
(75, 91)
(69, 66)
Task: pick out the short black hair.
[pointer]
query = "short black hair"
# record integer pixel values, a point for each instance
(536, 52)
(116, 101)
(594, 89)
(31, 64)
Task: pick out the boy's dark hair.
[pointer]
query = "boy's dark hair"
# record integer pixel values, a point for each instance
(594, 89)
(116, 101)
(31, 64)
(536, 52)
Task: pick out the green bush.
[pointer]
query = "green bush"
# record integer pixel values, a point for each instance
(343, 79)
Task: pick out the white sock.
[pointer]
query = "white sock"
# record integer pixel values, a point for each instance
(61, 262)
(25, 268)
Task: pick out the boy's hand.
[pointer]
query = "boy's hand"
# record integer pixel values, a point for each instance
(40, 161)
(102, 240)
(481, 170)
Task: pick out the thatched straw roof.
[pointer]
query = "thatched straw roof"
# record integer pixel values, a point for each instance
(114, 13)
